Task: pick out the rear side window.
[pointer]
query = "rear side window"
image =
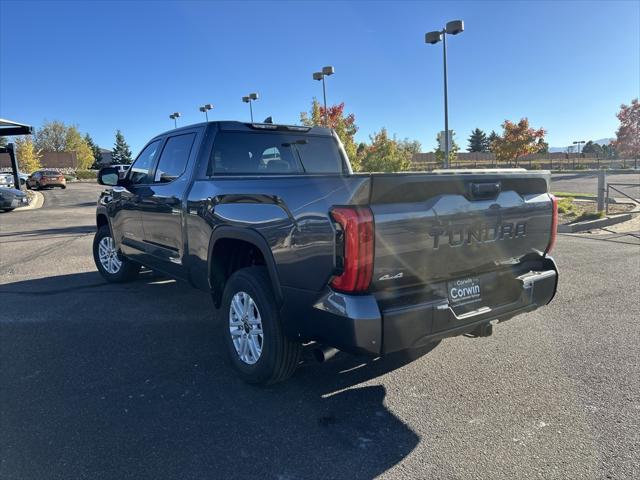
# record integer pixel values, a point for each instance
(274, 154)
(144, 162)
(174, 158)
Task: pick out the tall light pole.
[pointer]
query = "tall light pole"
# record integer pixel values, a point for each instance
(174, 116)
(451, 28)
(578, 142)
(205, 109)
(325, 72)
(248, 99)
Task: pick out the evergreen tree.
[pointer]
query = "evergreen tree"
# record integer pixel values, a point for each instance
(493, 136)
(453, 152)
(477, 141)
(592, 148)
(97, 154)
(121, 154)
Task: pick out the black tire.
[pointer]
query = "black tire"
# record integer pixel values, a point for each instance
(128, 270)
(63, 186)
(8, 209)
(280, 356)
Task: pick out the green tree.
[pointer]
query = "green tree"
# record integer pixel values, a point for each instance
(592, 149)
(3, 141)
(493, 136)
(609, 151)
(386, 154)
(28, 155)
(477, 141)
(121, 153)
(344, 125)
(97, 154)
(453, 152)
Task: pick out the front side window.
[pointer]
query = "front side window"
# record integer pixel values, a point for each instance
(140, 168)
(274, 154)
(174, 158)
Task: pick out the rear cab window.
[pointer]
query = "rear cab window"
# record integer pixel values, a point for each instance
(273, 153)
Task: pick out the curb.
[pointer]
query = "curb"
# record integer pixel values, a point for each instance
(38, 202)
(591, 224)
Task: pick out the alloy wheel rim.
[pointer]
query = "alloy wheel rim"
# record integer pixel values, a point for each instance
(108, 255)
(245, 327)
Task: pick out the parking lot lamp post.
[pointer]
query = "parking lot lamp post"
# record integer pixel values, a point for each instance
(451, 28)
(249, 99)
(174, 116)
(325, 72)
(205, 109)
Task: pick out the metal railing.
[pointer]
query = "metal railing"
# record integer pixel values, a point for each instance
(612, 186)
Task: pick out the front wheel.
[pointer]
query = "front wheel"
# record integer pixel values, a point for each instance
(112, 265)
(252, 329)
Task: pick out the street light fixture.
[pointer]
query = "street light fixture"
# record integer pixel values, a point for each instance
(578, 142)
(174, 116)
(451, 28)
(325, 72)
(249, 99)
(205, 109)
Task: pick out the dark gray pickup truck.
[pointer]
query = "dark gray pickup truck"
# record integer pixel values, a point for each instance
(295, 248)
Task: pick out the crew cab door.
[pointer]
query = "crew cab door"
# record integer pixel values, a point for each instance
(126, 222)
(161, 204)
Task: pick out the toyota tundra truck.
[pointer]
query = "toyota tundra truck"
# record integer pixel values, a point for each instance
(297, 250)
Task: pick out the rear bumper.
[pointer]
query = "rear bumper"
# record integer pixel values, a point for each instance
(361, 324)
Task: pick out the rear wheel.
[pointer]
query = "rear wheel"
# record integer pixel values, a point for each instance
(112, 265)
(252, 329)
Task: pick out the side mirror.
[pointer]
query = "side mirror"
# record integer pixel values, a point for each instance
(108, 176)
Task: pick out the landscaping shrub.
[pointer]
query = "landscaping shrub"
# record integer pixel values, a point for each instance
(86, 174)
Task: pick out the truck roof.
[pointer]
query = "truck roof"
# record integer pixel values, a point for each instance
(233, 125)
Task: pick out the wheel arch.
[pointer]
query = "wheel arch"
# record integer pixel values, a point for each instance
(226, 241)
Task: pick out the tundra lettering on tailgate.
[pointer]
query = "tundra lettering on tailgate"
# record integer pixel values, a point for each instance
(459, 235)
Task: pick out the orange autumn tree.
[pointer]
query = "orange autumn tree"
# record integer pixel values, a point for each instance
(517, 140)
(627, 141)
(344, 126)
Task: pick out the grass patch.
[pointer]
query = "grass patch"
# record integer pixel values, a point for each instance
(572, 194)
(566, 206)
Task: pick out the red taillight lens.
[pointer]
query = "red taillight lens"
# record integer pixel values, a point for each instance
(554, 225)
(357, 251)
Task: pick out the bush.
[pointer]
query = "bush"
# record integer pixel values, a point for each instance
(86, 174)
(565, 205)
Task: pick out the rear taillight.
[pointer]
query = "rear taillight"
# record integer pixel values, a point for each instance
(554, 224)
(354, 249)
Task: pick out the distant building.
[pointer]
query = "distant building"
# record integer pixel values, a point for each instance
(106, 157)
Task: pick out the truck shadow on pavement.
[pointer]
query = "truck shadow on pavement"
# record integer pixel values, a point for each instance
(132, 381)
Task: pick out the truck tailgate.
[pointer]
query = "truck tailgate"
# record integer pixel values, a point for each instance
(436, 227)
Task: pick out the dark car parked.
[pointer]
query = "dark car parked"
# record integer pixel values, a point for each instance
(295, 248)
(10, 198)
(46, 178)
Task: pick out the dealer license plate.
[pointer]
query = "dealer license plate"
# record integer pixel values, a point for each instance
(464, 290)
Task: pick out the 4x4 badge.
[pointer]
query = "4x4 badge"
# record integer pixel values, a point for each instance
(391, 277)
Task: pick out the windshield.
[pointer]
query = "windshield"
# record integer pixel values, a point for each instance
(275, 154)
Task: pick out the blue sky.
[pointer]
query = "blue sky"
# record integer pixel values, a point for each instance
(566, 66)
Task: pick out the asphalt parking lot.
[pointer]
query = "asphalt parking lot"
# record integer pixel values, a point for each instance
(102, 381)
(587, 182)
